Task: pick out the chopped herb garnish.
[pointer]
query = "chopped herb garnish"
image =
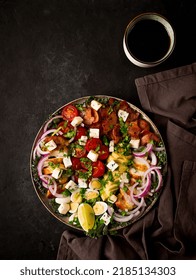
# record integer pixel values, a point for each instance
(70, 134)
(66, 192)
(80, 107)
(105, 140)
(123, 127)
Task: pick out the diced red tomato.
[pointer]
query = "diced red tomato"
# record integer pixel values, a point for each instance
(103, 152)
(81, 131)
(86, 163)
(76, 163)
(65, 126)
(79, 152)
(98, 169)
(92, 144)
(69, 112)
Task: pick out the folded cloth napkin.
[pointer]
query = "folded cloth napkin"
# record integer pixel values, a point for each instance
(168, 230)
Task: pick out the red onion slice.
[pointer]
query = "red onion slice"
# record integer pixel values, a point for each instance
(160, 180)
(141, 204)
(146, 187)
(45, 178)
(41, 152)
(55, 117)
(153, 158)
(45, 185)
(48, 132)
(146, 150)
(52, 187)
(35, 152)
(132, 195)
(123, 219)
(40, 164)
(110, 210)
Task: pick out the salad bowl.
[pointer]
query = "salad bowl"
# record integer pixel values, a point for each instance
(98, 164)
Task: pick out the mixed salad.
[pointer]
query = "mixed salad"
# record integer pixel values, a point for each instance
(99, 163)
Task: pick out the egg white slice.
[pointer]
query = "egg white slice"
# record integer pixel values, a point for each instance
(100, 208)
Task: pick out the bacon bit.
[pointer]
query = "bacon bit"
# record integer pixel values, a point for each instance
(109, 123)
(143, 124)
(49, 195)
(149, 137)
(133, 115)
(90, 116)
(54, 160)
(47, 170)
(115, 135)
(103, 112)
(95, 115)
(134, 129)
(124, 105)
(111, 101)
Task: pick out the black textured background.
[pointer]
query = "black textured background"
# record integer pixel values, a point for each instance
(53, 51)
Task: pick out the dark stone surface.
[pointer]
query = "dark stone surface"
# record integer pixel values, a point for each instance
(50, 53)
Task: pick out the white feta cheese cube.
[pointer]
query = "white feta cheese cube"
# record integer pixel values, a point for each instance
(112, 199)
(63, 208)
(106, 218)
(94, 132)
(135, 143)
(111, 146)
(77, 121)
(112, 165)
(92, 155)
(51, 145)
(123, 114)
(95, 105)
(124, 178)
(71, 185)
(61, 200)
(82, 141)
(57, 172)
(67, 162)
(82, 183)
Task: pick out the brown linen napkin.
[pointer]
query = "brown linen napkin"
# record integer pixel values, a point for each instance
(171, 94)
(168, 231)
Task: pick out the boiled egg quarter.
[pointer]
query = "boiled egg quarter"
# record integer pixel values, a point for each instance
(91, 194)
(100, 207)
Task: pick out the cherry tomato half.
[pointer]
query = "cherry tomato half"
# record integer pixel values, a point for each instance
(98, 169)
(92, 144)
(69, 112)
(103, 152)
(81, 131)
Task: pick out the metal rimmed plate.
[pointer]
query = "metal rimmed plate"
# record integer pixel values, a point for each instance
(36, 181)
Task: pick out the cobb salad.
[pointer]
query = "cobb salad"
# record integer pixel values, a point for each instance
(99, 163)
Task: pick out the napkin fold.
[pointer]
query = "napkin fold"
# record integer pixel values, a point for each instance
(168, 230)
